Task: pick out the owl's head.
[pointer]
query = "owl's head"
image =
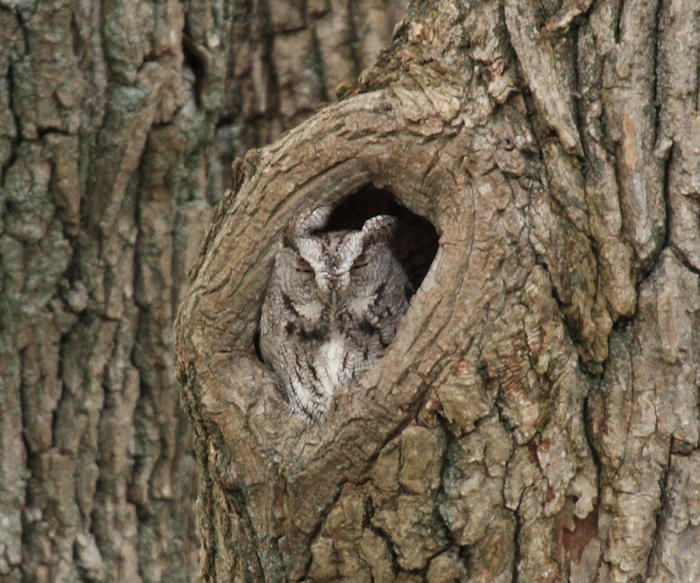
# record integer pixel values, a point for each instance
(338, 266)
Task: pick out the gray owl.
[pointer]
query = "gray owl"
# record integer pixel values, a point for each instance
(332, 306)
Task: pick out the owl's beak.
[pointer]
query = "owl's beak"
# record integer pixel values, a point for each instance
(328, 295)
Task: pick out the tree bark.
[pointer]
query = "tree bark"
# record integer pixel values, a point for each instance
(536, 417)
(116, 120)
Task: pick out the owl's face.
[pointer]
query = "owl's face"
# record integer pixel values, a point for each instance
(336, 269)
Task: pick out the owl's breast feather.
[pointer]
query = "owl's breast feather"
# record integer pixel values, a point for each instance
(333, 356)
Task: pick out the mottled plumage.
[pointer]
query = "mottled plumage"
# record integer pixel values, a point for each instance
(332, 306)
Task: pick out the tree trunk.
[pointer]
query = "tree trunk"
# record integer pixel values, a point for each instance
(536, 417)
(116, 120)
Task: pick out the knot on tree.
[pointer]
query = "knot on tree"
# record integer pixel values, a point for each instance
(482, 347)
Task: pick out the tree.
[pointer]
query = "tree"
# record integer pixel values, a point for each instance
(536, 417)
(115, 120)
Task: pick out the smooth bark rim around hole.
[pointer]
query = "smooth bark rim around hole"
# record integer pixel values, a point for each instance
(308, 168)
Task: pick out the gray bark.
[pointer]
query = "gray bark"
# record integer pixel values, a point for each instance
(116, 122)
(536, 417)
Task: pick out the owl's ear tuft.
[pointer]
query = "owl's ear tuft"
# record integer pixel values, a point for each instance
(379, 228)
(315, 221)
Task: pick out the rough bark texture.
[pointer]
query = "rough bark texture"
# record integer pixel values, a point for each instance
(536, 417)
(110, 116)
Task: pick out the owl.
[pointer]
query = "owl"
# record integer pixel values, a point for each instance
(332, 306)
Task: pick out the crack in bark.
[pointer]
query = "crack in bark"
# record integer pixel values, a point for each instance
(318, 530)
(659, 517)
(450, 440)
(516, 543)
(386, 538)
(17, 138)
(617, 30)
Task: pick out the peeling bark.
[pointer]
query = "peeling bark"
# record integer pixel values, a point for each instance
(536, 417)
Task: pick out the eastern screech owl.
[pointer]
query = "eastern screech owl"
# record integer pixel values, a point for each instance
(332, 306)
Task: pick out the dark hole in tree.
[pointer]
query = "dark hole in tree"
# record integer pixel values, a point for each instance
(415, 242)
